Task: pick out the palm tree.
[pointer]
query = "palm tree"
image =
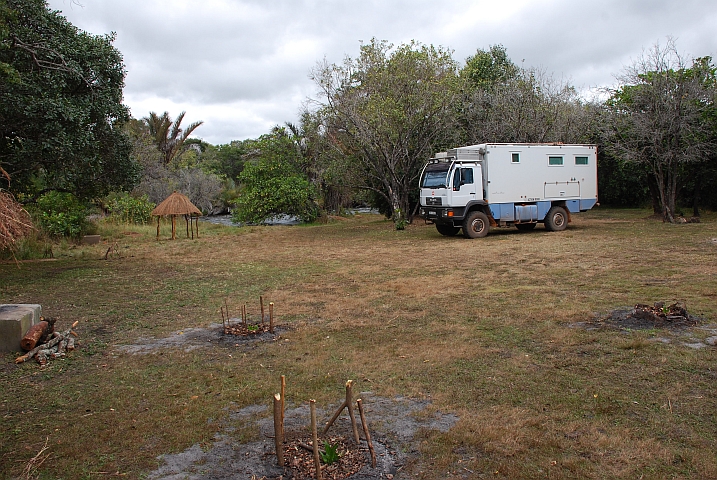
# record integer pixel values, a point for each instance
(168, 135)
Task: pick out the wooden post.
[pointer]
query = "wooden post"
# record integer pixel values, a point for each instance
(278, 441)
(186, 220)
(283, 406)
(347, 404)
(191, 225)
(271, 317)
(366, 434)
(243, 313)
(227, 305)
(197, 227)
(224, 326)
(350, 408)
(261, 302)
(174, 227)
(315, 440)
(158, 219)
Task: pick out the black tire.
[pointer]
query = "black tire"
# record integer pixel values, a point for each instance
(557, 220)
(525, 227)
(476, 225)
(448, 230)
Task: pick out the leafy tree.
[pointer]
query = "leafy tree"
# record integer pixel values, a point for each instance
(658, 118)
(504, 103)
(488, 69)
(60, 105)
(272, 183)
(168, 135)
(385, 113)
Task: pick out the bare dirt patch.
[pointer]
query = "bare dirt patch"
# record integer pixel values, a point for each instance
(189, 339)
(394, 423)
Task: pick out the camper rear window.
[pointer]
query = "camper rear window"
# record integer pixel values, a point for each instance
(581, 160)
(555, 161)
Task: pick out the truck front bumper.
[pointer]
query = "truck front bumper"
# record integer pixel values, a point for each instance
(442, 215)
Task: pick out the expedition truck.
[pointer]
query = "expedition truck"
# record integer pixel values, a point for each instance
(499, 185)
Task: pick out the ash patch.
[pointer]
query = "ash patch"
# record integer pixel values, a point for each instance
(393, 423)
(644, 317)
(190, 339)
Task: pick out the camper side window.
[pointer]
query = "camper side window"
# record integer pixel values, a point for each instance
(515, 157)
(555, 161)
(581, 160)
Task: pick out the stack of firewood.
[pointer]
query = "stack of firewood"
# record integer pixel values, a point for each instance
(44, 343)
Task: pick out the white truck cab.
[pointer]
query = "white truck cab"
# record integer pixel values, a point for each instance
(488, 185)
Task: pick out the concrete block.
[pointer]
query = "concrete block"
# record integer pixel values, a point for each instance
(15, 320)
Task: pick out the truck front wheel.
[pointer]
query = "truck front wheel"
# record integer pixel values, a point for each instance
(557, 220)
(476, 225)
(447, 230)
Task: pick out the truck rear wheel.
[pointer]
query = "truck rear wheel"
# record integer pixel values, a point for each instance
(447, 230)
(557, 220)
(476, 225)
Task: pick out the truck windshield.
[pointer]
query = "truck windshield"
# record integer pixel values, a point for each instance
(435, 176)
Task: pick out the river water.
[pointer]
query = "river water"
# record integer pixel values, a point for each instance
(279, 220)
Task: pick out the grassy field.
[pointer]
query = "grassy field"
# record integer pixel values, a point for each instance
(488, 329)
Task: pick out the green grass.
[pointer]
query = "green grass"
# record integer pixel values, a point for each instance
(485, 328)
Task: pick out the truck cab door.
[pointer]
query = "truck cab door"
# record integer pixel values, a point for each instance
(464, 185)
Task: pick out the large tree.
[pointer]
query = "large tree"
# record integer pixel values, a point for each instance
(60, 105)
(386, 112)
(659, 117)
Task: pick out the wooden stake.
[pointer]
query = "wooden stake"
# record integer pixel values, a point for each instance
(224, 325)
(283, 406)
(350, 408)
(174, 227)
(243, 313)
(347, 404)
(315, 440)
(186, 220)
(158, 219)
(227, 305)
(278, 441)
(271, 317)
(366, 434)
(261, 302)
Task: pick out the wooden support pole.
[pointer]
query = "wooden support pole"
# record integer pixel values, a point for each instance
(174, 227)
(243, 313)
(226, 303)
(283, 405)
(271, 317)
(278, 441)
(261, 303)
(224, 325)
(197, 227)
(364, 424)
(350, 408)
(315, 440)
(347, 404)
(186, 220)
(158, 219)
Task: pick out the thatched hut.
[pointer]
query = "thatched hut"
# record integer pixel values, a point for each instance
(177, 204)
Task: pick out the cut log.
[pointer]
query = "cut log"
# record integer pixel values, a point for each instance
(34, 335)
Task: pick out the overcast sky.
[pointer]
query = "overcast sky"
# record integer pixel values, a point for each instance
(242, 66)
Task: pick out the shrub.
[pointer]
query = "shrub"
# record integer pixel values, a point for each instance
(128, 209)
(62, 215)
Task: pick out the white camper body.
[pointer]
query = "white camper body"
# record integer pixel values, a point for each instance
(473, 188)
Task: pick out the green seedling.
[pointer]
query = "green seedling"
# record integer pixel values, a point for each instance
(330, 453)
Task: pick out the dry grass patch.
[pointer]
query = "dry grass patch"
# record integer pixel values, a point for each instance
(488, 329)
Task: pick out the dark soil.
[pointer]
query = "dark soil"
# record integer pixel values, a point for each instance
(644, 317)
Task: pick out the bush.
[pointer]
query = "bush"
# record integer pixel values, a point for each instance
(125, 208)
(62, 215)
